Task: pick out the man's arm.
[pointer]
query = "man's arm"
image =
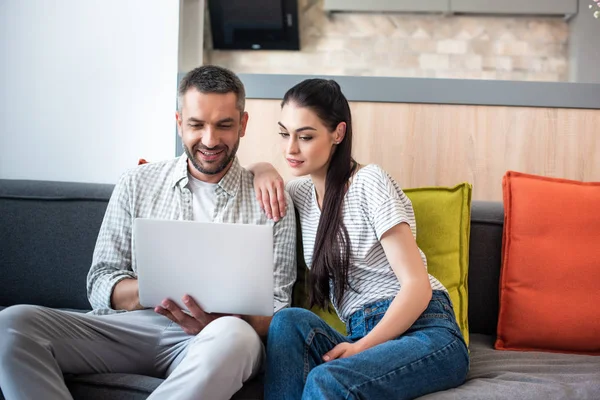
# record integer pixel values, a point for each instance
(111, 282)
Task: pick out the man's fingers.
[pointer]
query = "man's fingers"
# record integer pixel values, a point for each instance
(180, 316)
(164, 312)
(196, 311)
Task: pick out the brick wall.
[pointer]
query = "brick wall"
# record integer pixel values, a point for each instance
(413, 45)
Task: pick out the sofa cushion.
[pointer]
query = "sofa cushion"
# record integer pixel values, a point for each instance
(443, 226)
(48, 231)
(131, 387)
(550, 279)
(111, 386)
(485, 248)
(503, 375)
(443, 216)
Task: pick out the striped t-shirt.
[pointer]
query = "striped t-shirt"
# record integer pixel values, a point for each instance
(373, 204)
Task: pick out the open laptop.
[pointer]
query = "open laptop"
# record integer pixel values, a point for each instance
(226, 268)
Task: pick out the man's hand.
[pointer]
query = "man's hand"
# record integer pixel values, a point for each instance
(191, 324)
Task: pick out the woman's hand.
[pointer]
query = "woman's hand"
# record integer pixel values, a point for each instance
(343, 350)
(269, 188)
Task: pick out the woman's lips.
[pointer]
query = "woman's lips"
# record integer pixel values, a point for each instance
(294, 163)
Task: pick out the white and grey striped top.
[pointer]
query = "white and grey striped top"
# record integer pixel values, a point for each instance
(373, 204)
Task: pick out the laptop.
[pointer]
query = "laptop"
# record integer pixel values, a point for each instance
(226, 268)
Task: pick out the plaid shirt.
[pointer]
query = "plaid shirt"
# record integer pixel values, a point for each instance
(158, 190)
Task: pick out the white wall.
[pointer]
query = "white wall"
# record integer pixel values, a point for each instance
(86, 87)
(191, 34)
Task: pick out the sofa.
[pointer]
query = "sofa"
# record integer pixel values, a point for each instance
(47, 235)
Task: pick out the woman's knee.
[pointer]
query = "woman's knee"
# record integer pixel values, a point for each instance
(292, 320)
(327, 378)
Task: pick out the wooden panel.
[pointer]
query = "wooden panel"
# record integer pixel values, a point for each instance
(433, 145)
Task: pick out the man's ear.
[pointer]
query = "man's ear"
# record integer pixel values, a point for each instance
(243, 124)
(340, 132)
(179, 122)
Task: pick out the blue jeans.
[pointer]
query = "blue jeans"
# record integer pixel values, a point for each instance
(430, 356)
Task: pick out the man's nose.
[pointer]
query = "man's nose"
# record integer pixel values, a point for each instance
(210, 137)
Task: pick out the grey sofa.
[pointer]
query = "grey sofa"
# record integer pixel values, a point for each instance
(48, 231)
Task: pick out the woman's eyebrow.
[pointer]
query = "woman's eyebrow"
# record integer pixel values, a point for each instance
(304, 128)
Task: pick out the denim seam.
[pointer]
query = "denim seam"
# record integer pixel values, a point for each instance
(308, 344)
(397, 370)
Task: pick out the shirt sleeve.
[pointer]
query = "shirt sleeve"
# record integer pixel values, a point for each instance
(292, 188)
(111, 261)
(284, 246)
(387, 204)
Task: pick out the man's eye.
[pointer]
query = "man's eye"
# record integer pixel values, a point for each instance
(195, 126)
(226, 126)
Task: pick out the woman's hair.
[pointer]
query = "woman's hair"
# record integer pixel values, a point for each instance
(331, 254)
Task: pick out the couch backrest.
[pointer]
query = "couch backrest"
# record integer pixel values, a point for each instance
(487, 220)
(48, 231)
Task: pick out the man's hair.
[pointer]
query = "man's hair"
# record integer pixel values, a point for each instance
(212, 79)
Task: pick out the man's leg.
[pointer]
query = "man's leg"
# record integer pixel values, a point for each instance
(39, 344)
(212, 365)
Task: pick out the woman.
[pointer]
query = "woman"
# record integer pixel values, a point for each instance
(358, 231)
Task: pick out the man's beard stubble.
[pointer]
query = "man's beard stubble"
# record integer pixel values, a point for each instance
(229, 156)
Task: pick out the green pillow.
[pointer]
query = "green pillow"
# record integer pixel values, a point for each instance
(443, 217)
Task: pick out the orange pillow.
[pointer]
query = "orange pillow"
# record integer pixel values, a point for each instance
(550, 278)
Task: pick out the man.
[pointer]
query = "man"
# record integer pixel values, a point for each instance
(202, 356)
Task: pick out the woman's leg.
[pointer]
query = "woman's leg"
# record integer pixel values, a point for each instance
(429, 357)
(421, 362)
(297, 340)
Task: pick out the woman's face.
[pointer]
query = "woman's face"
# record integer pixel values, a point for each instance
(306, 143)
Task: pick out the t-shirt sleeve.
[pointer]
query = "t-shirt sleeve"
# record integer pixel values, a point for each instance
(293, 188)
(387, 204)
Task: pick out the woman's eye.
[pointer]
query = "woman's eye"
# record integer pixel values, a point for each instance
(305, 138)
(283, 134)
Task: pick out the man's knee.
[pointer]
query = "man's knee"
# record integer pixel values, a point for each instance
(19, 318)
(15, 323)
(234, 333)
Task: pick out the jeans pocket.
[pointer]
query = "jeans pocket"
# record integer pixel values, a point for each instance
(372, 320)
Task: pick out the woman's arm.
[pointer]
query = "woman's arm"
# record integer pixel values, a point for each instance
(269, 189)
(413, 298)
